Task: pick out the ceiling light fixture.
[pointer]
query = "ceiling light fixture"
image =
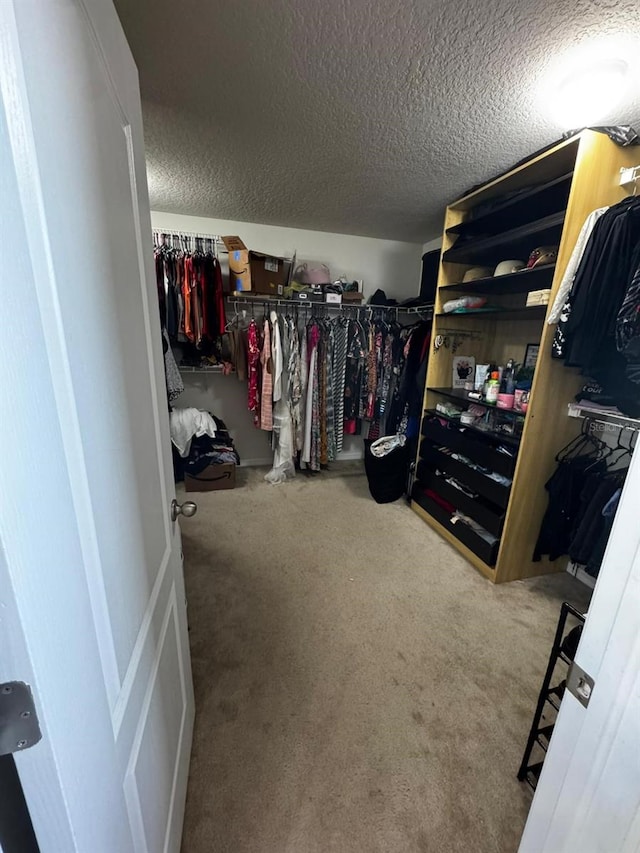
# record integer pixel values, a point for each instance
(589, 94)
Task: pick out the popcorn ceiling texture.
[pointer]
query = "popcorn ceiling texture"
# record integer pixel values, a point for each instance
(357, 118)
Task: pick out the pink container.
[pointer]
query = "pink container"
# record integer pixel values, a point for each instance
(521, 400)
(505, 401)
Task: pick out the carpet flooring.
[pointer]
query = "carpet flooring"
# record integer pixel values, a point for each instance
(359, 686)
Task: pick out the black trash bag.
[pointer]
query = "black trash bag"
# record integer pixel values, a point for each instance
(387, 475)
(623, 135)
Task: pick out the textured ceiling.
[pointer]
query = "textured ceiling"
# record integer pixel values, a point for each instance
(354, 117)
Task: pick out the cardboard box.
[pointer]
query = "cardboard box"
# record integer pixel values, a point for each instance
(352, 296)
(269, 275)
(212, 479)
(239, 266)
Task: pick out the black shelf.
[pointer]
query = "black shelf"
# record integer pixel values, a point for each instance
(515, 243)
(460, 395)
(516, 282)
(529, 772)
(532, 313)
(540, 200)
(497, 437)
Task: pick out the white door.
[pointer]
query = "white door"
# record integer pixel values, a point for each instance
(92, 605)
(588, 797)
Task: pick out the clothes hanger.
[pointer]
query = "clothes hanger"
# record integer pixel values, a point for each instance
(620, 446)
(576, 443)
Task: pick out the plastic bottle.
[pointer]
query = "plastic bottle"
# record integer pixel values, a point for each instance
(485, 387)
(493, 388)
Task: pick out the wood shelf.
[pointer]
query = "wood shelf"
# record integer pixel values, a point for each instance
(547, 198)
(491, 435)
(534, 312)
(510, 244)
(460, 396)
(524, 281)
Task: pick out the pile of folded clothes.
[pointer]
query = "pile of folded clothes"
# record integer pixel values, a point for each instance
(199, 439)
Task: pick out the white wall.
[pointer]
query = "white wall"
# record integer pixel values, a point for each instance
(389, 264)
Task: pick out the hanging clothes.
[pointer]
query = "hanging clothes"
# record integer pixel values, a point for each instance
(587, 335)
(253, 360)
(572, 267)
(276, 358)
(341, 335)
(266, 394)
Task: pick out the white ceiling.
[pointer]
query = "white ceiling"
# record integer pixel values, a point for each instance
(355, 117)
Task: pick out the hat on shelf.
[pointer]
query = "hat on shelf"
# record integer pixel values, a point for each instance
(475, 273)
(508, 267)
(542, 255)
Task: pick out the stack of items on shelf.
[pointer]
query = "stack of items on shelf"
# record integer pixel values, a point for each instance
(311, 383)
(584, 491)
(538, 297)
(597, 307)
(507, 388)
(541, 259)
(203, 452)
(269, 275)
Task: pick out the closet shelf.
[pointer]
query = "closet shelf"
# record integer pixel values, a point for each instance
(515, 243)
(516, 282)
(532, 313)
(517, 210)
(580, 410)
(460, 395)
(498, 437)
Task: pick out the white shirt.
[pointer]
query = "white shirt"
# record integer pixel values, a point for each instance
(276, 358)
(574, 261)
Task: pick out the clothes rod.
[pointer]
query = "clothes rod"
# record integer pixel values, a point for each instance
(170, 232)
(258, 299)
(600, 416)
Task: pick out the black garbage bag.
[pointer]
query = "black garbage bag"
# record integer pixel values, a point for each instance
(387, 475)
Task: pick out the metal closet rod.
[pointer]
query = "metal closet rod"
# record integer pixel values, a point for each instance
(258, 300)
(171, 232)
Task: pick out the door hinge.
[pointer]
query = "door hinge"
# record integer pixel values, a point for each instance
(580, 684)
(19, 726)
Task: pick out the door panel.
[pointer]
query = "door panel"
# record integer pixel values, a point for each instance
(158, 738)
(100, 288)
(116, 606)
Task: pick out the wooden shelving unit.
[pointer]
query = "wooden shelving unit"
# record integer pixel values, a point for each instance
(544, 201)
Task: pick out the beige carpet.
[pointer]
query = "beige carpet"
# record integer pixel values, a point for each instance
(359, 686)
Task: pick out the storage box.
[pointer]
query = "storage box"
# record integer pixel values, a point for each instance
(333, 298)
(239, 266)
(538, 297)
(307, 296)
(269, 275)
(212, 479)
(352, 296)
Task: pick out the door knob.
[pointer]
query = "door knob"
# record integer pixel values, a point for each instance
(188, 508)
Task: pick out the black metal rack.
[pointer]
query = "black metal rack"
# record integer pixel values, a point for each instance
(563, 649)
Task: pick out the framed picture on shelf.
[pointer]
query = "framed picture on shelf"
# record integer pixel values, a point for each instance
(464, 367)
(531, 356)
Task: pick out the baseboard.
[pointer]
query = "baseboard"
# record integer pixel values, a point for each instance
(578, 572)
(345, 456)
